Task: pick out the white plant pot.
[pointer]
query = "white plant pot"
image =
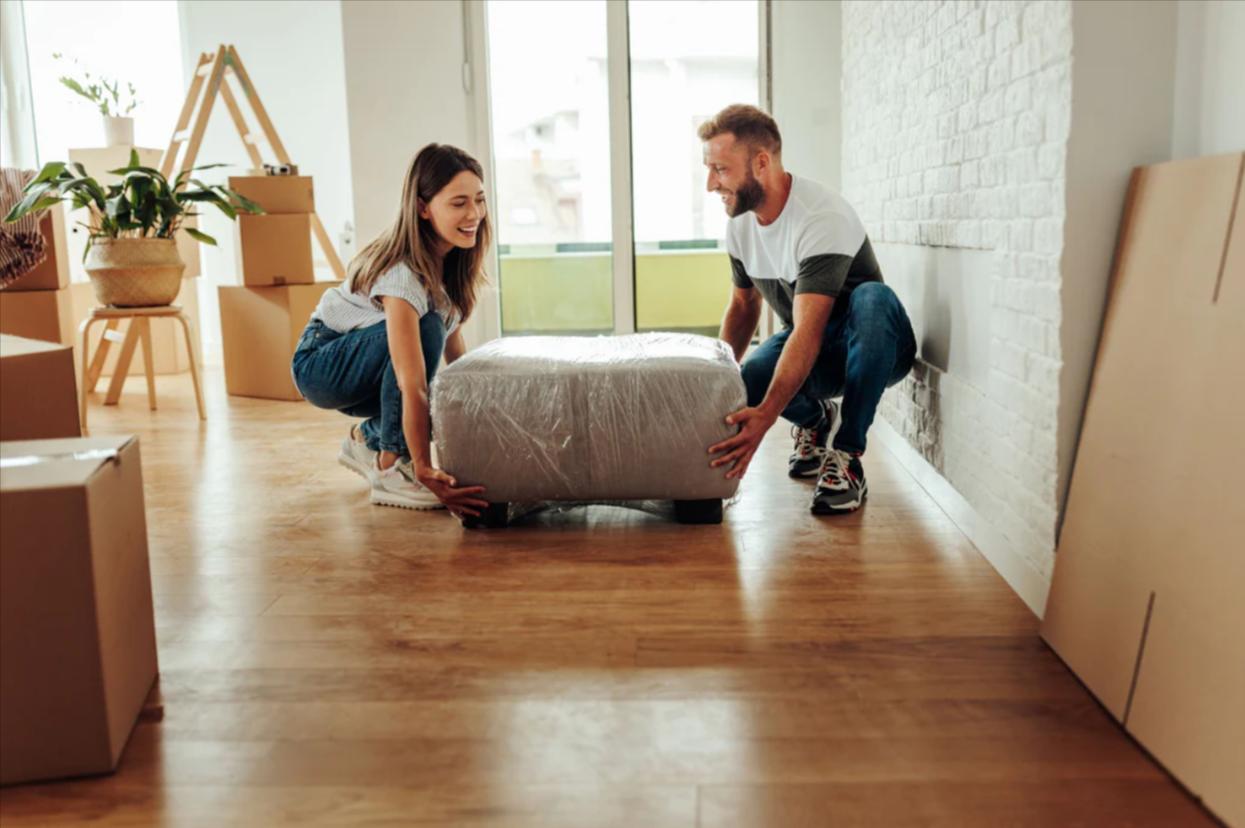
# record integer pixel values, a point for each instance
(118, 132)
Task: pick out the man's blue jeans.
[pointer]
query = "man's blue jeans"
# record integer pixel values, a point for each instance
(864, 352)
(353, 373)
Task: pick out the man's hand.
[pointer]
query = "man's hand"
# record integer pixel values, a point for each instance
(754, 423)
(458, 501)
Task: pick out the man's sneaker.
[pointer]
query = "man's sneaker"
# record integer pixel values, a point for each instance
(810, 443)
(397, 486)
(841, 486)
(357, 457)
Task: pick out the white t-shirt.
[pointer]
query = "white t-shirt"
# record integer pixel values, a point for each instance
(816, 245)
(344, 311)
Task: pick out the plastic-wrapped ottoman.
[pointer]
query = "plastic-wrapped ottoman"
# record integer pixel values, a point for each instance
(590, 419)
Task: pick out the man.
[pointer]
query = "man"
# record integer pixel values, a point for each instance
(801, 247)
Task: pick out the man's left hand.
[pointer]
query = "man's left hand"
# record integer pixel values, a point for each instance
(754, 423)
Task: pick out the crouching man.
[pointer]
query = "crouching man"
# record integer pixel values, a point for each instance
(801, 247)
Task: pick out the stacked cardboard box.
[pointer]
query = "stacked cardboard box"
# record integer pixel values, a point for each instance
(38, 390)
(262, 320)
(77, 627)
(39, 305)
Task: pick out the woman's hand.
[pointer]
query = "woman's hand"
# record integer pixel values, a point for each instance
(458, 501)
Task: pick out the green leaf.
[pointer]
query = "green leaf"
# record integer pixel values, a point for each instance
(195, 234)
(29, 203)
(50, 170)
(245, 203)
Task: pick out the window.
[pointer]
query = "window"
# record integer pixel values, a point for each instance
(561, 75)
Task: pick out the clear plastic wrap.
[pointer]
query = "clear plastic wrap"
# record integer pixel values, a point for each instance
(589, 419)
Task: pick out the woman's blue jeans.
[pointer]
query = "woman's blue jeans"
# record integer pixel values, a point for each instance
(353, 373)
(864, 352)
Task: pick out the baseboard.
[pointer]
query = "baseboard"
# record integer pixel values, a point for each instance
(1020, 575)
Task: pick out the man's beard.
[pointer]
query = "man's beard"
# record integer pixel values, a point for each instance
(748, 197)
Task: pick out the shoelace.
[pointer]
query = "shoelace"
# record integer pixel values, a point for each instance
(805, 440)
(834, 469)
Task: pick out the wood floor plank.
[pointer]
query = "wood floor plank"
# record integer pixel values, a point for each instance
(328, 662)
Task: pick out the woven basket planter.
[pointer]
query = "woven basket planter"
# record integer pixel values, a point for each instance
(135, 273)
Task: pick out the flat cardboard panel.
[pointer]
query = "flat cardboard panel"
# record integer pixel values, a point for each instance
(53, 272)
(77, 632)
(38, 390)
(260, 328)
(277, 193)
(276, 250)
(168, 344)
(1157, 486)
(46, 315)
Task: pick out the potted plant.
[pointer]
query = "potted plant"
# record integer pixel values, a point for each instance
(114, 103)
(131, 253)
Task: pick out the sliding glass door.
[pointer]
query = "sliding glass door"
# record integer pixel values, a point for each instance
(603, 223)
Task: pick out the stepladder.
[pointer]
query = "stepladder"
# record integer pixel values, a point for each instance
(212, 80)
(137, 333)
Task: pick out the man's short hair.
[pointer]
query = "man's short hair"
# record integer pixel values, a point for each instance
(749, 125)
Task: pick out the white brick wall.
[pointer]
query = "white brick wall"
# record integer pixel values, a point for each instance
(956, 117)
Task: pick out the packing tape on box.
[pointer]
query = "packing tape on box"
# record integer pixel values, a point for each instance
(36, 459)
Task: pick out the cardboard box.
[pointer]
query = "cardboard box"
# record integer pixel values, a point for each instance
(98, 161)
(77, 627)
(46, 315)
(276, 250)
(53, 272)
(277, 194)
(1146, 602)
(38, 390)
(168, 344)
(260, 328)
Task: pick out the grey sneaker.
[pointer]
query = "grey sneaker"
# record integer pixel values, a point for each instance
(841, 487)
(397, 486)
(357, 457)
(810, 443)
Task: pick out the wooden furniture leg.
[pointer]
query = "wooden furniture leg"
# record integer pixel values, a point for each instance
(84, 331)
(123, 362)
(194, 363)
(148, 361)
(101, 353)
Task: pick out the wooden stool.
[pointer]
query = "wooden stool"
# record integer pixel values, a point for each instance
(138, 329)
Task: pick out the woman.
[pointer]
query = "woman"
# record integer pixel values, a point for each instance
(374, 342)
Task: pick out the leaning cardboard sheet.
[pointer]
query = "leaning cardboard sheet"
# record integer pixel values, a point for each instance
(603, 419)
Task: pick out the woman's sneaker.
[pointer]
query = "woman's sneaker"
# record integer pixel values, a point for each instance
(397, 486)
(357, 457)
(841, 486)
(810, 443)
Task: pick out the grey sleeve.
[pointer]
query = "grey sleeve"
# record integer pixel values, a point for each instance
(824, 274)
(403, 284)
(740, 276)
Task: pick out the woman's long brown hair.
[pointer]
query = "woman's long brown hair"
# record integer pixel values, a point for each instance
(413, 240)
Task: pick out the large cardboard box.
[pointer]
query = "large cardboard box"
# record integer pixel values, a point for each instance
(277, 194)
(38, 314)
(77, 628)
(168, 344)
(1147, 603)
(98, 161)
(53, 272)
(38, 390)
(260, 328)
(275, 250)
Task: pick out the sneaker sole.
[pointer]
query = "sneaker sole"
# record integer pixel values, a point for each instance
(842, 509)
(804, 475)
(355, 466)
(382, 499)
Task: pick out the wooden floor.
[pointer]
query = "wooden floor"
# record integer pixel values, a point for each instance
(326, 662)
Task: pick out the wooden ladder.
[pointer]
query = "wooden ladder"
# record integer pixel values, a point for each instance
(210, 79)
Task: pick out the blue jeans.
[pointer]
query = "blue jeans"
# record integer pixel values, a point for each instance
(353, 373)
(863, 352)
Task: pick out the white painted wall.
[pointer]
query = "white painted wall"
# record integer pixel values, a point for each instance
(404, 89)
(1210, 78)
(293, 54)
(806, 65)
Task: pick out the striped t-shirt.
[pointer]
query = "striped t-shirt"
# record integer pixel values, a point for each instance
(344, 311)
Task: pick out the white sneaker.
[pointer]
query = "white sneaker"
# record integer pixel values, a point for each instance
(357, 457)
(397, 486)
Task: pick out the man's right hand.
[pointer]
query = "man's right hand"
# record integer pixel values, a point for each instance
(458, 501)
